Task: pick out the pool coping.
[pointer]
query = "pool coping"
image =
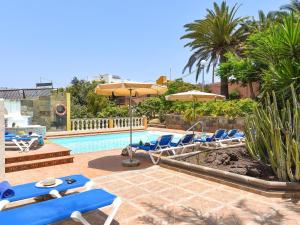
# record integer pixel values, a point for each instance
(67, 134)
(255, 185)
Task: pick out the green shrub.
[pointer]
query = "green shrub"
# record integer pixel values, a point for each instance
(230, 108)
(235, 94)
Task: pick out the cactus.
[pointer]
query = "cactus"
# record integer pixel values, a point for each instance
(273, 135)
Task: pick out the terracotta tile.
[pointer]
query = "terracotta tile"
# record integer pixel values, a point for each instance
(175, 194)
(223, 196)
(150, 202)
(197, 187)
(199, 205)
(154, 186)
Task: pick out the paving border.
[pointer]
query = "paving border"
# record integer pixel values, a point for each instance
(255, 185)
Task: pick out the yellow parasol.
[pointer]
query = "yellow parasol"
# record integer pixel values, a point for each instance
(130, 89)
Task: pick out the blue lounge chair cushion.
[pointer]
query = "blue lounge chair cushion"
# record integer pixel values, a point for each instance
(10, 138)
(217, 135)
(55, 210)
(153, 145)
(239, 135)
(186, 139)
(25, 191)
(6, 190)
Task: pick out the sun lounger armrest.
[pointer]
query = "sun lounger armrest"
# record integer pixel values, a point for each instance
(3, 204)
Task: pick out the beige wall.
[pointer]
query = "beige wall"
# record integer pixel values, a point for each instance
(2, 149)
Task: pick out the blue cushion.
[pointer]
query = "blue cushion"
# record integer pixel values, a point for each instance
(55, 210)
(6, 190)
(29, 190)
(10, 138)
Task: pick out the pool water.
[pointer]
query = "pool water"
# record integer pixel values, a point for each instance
(102, 142)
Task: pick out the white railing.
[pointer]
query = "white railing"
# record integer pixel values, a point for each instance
(105, 123)
(125, 122)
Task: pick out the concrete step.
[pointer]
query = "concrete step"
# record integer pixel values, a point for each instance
(32, 164)
(35, 155)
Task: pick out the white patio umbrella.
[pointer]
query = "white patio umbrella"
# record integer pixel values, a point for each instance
(130, 89)
(193, 96)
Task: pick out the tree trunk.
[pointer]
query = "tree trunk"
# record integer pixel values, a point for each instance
(224, 87)
(213, 74)
(224, 81)
(252, 94)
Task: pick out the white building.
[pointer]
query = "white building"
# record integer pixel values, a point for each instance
(107, 78)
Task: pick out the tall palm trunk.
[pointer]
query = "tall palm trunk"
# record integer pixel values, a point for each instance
(252, 94)
(213, 74)
(224, 81)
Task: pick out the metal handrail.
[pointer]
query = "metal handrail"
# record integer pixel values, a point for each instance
(195, 124)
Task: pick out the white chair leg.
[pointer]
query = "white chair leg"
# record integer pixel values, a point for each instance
(116, 205)
(3, 204)
(77, 217)
(21, 149)
(55, 194)
(155, 162)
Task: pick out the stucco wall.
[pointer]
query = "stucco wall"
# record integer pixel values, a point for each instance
(2, 149)
(210, 123)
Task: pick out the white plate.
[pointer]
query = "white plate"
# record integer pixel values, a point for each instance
(57, 182)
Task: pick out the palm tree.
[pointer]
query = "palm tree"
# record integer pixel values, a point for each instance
(212, 37)
(294, 7)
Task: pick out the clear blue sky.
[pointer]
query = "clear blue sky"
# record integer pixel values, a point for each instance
(136, 39)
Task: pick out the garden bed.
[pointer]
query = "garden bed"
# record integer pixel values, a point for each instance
(235, 160)
(234, 167)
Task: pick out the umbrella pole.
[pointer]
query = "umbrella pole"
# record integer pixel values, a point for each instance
(130, 125)
(194, 115)
(130, 162)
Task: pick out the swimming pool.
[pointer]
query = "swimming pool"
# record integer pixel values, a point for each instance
(102, 142)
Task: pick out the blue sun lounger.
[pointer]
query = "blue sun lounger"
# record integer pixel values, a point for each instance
(163, 142)
(22, 142)
(55, 210)
(26, 191)
(185, 140)
(231, 133)
(215, 137)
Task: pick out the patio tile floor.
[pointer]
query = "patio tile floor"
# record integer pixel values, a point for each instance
(185, 202)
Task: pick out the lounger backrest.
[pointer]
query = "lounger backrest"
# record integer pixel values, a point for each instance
(219, 133)
(232, 132)
(186, 139)
(165, 140)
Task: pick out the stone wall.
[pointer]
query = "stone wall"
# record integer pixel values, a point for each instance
(210, 123)
(42, 111)
(2, 148)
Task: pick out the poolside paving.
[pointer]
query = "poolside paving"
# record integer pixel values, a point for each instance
(156, 195)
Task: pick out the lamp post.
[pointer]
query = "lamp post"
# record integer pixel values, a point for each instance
(203, 63)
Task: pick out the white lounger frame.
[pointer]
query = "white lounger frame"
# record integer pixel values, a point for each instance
(76, 215)
(221, 143)
(158, 153)
(24, 146)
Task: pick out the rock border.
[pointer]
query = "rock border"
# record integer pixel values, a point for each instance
(263, 187)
